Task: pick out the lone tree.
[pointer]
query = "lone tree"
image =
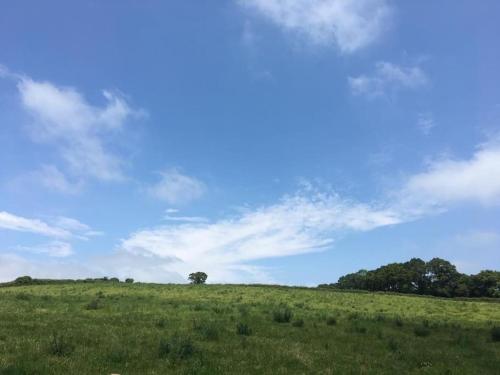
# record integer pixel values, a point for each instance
(198, 277)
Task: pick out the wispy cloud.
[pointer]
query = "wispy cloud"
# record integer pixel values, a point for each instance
(298, 224)
(426, 123)
(58, 227)
(349, 24)
(62, 116)
(388, 78)
(57, 249)
(22, 224)
(176, 188)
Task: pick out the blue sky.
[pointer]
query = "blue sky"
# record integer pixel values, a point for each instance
(273, 141)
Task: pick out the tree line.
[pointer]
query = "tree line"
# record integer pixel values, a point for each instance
(437, 277)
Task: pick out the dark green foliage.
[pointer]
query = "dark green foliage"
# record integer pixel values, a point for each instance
(129, 280)
(95, 304)
(282, 314)
(198, 277)
(161, 323)
(298, 323)
(495, 334)
(393, 345)
(331, 321)
(243, 329)
(23, 296)
(398, 322)
(118, 355)
(23, 280)
(437, 277)
(176, 347)
(208, 330)
(59, 345)
(422, 331)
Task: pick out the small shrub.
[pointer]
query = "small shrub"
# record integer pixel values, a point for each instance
(398, 322)
(495, 334)
(282, 315)
(421, 331)
(60, 346)
(118, 355)
(360, 329)
(393, 345)
(114, 280)
(243, 329)
(298, 323)
(161, 323)
(129, 281)
(176, 348)
(331, 321)
(208, 330)
(93, 305)
(23, 296)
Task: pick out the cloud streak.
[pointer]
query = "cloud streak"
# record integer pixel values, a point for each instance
(176, 188)
(388, 78)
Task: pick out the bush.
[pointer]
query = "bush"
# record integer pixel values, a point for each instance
(495, 334)
(114, 280)
(176, 348)
(398, 322)
(129, 281)
(59, 346)
(243, 329)
(298, 323)
(331, 321)
(208, 330)
(422, 331)
(282, 315)
(393, 345)
(93, 305)
(161, 323)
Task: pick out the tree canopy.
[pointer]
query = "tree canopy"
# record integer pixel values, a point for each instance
(198, 277)
(436, 277)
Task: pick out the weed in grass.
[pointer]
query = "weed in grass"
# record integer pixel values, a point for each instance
(331, 321)
(118, 355)
(421, 331)
(243, 329)
(93, 305)
(298, 323)
(60, 346)
(176, 347)
(208, 330)
(495, 334)
(399, 322)
(23, 296)
(282, 314)
(393, 345)
(161, 323)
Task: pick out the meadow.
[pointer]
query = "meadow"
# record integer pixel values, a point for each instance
(118, 328)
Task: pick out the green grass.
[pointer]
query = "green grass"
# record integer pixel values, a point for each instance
(105, 328)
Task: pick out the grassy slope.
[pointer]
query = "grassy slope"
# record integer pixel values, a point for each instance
(123, 334)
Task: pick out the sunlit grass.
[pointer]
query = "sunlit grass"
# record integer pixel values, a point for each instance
(107, 328)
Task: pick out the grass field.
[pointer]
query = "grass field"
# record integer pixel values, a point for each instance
(106, 328)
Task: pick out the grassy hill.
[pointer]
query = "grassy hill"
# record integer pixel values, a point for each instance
(104, 328)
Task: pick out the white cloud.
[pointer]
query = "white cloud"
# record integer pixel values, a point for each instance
(59, 227)
(449, 181)
(18, 223)
(62, 116)
(298, 224)
(349, 24)
(177, 188)
(388, 78)
(57, 249)
(426, 123)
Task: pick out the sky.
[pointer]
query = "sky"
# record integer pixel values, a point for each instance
(259, 141)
